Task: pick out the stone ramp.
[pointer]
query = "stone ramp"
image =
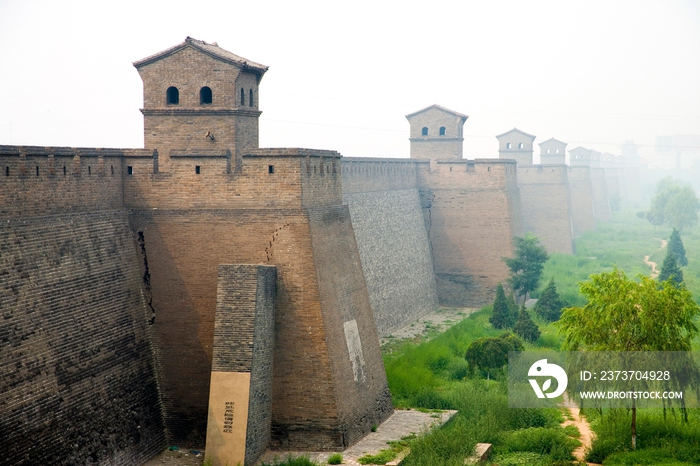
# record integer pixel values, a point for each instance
(400, 424)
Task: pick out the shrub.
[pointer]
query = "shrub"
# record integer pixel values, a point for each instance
(335, 458)
(549, 304)
(525, 327)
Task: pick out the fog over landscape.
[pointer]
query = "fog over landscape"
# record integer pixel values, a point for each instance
(344, 75)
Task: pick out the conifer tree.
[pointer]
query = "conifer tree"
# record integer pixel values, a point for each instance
(502, 315)
(675, 245)
(670, 269)
(549, 305)
(525, 327)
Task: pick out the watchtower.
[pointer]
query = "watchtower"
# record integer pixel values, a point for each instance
(516, 145)
(436, 133)
(552, 152)
(199, 98)
(580, 157)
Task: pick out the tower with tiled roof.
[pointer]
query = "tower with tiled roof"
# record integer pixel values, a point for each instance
(436, 133)
(199, 98)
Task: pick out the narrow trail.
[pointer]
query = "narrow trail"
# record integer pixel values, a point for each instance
(653, 265)
(583, 427)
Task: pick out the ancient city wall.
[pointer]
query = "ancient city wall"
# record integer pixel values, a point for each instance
(616, 192)
(599, 193)
(546, 206)
(388, 223)
(184, 249)
(472, 211)
(581, 199)
(75, 332)
(50, 180)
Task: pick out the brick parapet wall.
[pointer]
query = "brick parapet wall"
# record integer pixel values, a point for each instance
(376, 174)
(49, 180)
(77, 382)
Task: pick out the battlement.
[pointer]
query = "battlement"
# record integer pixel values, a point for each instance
(540, 174)
(481, 174)
(364, 174)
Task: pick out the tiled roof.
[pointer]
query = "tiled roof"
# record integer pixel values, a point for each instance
(210, 49)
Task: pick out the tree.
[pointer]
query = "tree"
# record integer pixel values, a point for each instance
(549, 305)
(525, 327)
(503, 315)
(526, 266)
(675, 246)
(623, 315)
(670, 270)
(492, 353)
(674, 204)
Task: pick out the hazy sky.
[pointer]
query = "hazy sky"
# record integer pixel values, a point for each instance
(343, 75)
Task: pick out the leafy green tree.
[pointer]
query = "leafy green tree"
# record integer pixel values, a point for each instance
(526, 266)
(525, 328)
(675, 246)
(492, 353)
(670, 270)
(549, 305)
(503, 316)
(674, 204)
(623, 315)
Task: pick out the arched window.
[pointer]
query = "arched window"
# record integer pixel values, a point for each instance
(520, 145)
(507, 145)
(556, 151)
(424, 131)
(250, 99)
(172, 96)
(443, 131)
(205, 95)
(242, 97)
(549, 150)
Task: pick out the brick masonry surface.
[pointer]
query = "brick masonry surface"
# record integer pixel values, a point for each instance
(77, 382)
(546, 206)
(244, 342)
(395, 254)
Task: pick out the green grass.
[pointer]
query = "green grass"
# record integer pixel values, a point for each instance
(292, 461)
(623, 243)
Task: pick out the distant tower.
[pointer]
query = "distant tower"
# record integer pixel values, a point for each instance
(552, 152)
(516, 145)
(629, 151)
(580, 157)
(199, 98)
(436, 133)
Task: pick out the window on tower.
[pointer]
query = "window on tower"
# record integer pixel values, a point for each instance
(424, 131)
(443, 131)
(508, 145)
(242, 97)
(205, 95)
(250, 98)
(520, 145)
(172, 96)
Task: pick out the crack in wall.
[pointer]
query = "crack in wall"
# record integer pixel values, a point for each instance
(146, 277)
(275, 234)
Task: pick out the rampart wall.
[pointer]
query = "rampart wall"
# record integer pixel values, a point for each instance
(599, 194)
(581, 199)
(388, 223)
(472, 211)
(546, 206)
(79, 383)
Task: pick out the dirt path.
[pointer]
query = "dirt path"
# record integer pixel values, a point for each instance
(653, 265)
(582, 425)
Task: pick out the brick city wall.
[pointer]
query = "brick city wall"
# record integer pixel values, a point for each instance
(616, 191)
(546, 206)
(472, 211)
(357, 370)
(244, 342)
(184, 249)
(50, 180)
(581, 199)
(599, 193)
(78, 384)
(388, 223)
